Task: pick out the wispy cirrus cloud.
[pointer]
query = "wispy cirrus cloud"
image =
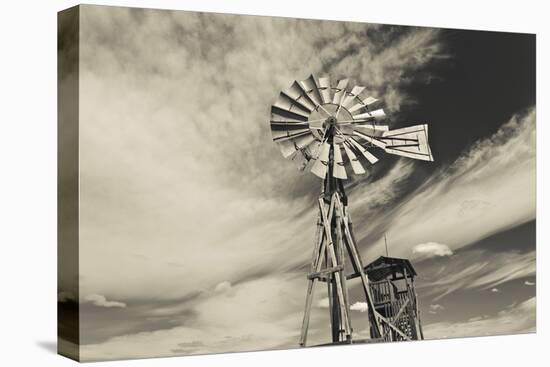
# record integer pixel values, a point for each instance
(490, 188)
(516, 318)
(478, 269)
(264, 313)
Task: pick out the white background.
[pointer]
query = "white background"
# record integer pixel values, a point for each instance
(28, 182)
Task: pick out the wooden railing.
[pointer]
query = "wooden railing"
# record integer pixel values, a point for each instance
(388, 302)
(381, 291)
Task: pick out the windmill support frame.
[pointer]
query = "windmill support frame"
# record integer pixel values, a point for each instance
(326, 126)
(335, 240)
(334, 243)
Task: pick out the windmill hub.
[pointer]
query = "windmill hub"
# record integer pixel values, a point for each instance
(331, 121)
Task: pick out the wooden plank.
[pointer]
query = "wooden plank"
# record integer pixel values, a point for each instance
(319, 239)
(336, 321)
(413, 314)
(305, 321)
(340, 247)
(318, 261)
(330, 247)
(395, 328)
(332, 317)
(401, 309)
(309, 296)
(417, 311)
(358, 264)
(319, 273)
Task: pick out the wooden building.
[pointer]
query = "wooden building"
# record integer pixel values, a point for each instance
(391, 282)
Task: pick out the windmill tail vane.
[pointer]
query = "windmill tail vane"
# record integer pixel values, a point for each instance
(331, 127)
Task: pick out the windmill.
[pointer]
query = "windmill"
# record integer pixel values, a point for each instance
(331, 127)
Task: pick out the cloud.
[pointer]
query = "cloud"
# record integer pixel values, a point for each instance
(529, 283)
(323, 303)
(477, 269)
(488, 189)
(384, 68)
(65, 296)
(435, 308)
(223, 287)
(101, 301)
(359, 306)
(495, 290)
(514, 319)
(264, 313)
(431, 249)
(512, 266)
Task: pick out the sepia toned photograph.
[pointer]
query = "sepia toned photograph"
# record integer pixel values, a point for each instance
(231, 183)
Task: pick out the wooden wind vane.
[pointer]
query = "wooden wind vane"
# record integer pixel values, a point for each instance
(330, 127)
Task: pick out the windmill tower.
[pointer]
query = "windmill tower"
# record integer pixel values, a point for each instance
(330, 127)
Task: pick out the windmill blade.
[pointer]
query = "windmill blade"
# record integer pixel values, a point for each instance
(350, 97)
(378, 115)
(362, 100)
(371, 139)
(302, 142)
(340, 92)
(312, 150)
(338, 168)
(298, 143)
(288, 135)
(288, 125)
(368, 155)
(310, 153)
(320, 166)
(371, 129)
(354, 161)
(284, 102)
(411, 142)
(281, 114)
(297, 94)
(287, 148)
(309, 86)
(323, 85)
(276, 117)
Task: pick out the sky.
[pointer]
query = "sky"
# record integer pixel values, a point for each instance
(196, 234)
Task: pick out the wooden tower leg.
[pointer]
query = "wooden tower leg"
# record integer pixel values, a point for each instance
(329, 250)
(337, 268)
(334, 238)
(335, 316)
(341, 259)
(417, 311)
(358, 264)
(334, 308)
(316, 263)
(305, 322)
